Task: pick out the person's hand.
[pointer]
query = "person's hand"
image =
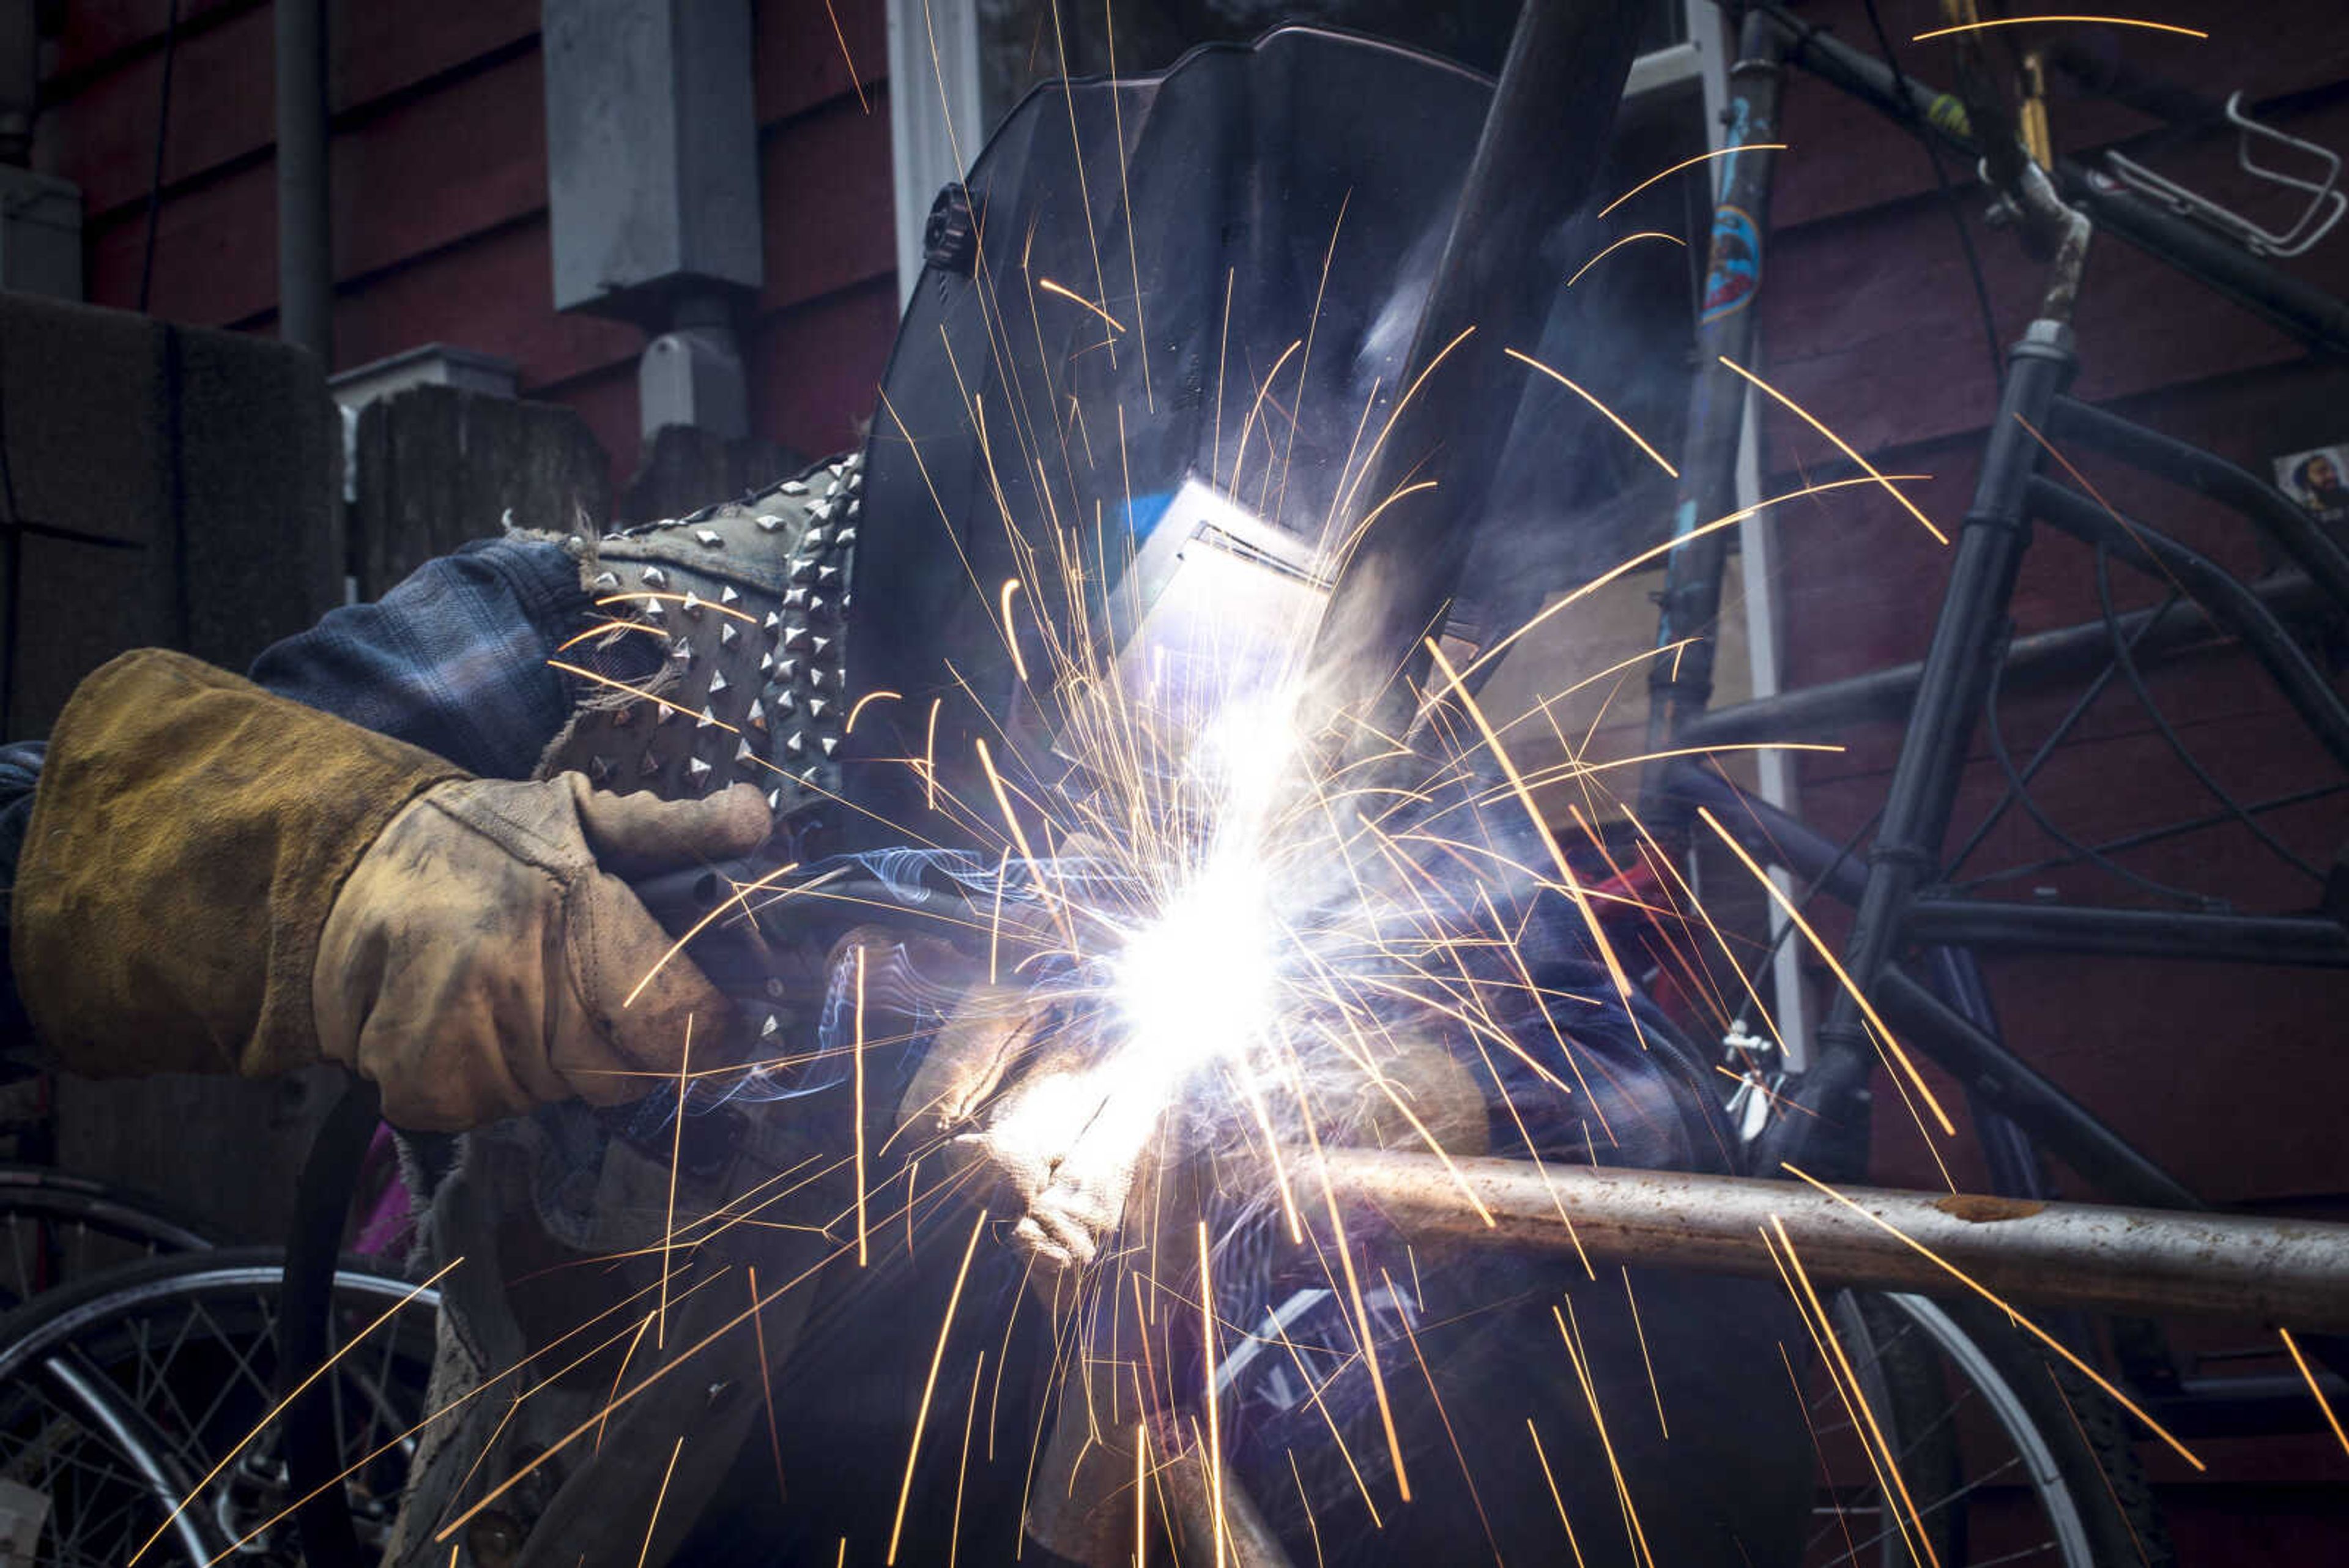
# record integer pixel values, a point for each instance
(485, 955)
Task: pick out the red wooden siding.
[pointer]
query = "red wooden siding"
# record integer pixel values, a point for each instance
(439, 171)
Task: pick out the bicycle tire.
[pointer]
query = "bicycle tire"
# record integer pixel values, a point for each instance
(1939, 1375)
(95, 1423)
(103, 1226)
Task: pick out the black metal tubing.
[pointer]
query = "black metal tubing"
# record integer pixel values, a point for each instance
(1680, 687)
(2317, 318)
(1552, 111)
(1990, 925)
(2034, 661)
(1917, 802)
(1956, 1033)
(2223, 598)
(2315, 551)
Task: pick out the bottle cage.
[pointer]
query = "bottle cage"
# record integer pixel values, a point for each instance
(2325, 201)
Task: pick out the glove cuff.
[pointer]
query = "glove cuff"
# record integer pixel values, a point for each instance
(187, 840)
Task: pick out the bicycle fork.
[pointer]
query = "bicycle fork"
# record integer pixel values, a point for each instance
(1833, 1140)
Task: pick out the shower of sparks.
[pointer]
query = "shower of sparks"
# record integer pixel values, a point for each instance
(1210, 949)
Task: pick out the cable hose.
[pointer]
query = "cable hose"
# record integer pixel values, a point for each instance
(312, 1446)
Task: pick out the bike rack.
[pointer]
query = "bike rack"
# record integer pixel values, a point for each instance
(2326, 204)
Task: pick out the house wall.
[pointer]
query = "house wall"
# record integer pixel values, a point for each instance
(438, 154)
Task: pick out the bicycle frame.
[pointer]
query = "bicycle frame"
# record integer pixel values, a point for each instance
(1890, 885)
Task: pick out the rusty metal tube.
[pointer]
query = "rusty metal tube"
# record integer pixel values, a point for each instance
(2139, 1261)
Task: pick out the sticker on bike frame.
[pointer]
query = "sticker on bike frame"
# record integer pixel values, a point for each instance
(1734, 272)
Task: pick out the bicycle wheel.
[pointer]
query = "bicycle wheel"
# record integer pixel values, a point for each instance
(127, 1402)
(55, 1228)
(2005, 1454)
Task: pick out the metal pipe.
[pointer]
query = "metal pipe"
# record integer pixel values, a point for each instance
(2129, 1260)
(2032, 662)
(1543, 140)
(305, 254)
(1991, 925)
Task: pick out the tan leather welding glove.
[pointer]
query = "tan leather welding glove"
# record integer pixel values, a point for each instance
(485, 956)
(193, 837)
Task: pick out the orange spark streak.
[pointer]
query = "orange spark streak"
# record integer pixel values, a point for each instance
(2322, 1403)
(930, 1386)
(850, 728)
(677, 947)
(1993, 1297)
(745, 617)
(766, 1384)
(669, 1226)
(1635, 1531)
(1794, 913)
(1691, 164)
(1215, 1428)
(271, 1415)
(855, 80)
(1141, 1490)
(970, 1418)
(1646, 1360)
(1859, 1401)
(586, 674)
(1804, 414)
(856, 1065)
(1619, 244)
(654, 1523)
(602, 629)
(1612, 417)
(1049, 287)
(1362, 1310)
(2039, 21)
(1572, 1544)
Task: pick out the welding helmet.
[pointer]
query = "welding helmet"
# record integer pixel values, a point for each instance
(1158, 314)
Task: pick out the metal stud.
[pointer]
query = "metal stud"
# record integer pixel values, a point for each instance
(795, 743)
(857, 478)
(708, 539)
(830, 744)
(818, 605)
(821, 510)
(773, 623)
(795, 636)
(622, 717)
(795, 598)
(827, 576)
(807, 777)
(845, 538)
(727, 596)
(793, 487)
(770, 1028)
(786, 704)
(757, 717)
(692, 605)
(817, 676)
(696, 770)
(649, 766)
(820, 644)
(653, 611)
(728, 634)
(607, 583)
(718, 681)
(856, 505)
(653, 578)
(818, 707)
(804, 569)
(785, 669)
(812, 539)
(766, 664)
(745, 755)
(769, 523)
(599, 771)
(681, 650)
(664, 713)
(775, 803)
